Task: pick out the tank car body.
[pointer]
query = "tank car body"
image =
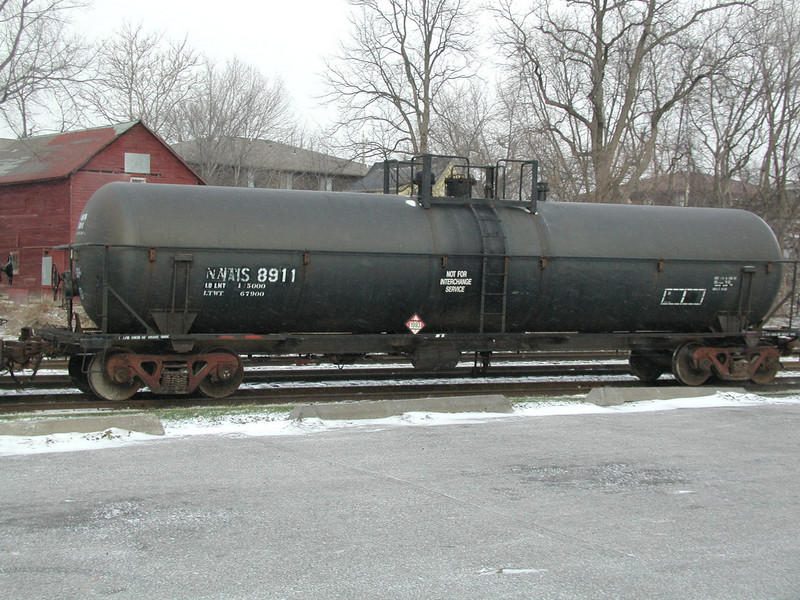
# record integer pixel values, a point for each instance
(181, 280)
(273, 261)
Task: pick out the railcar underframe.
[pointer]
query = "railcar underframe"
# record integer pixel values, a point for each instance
(114, 367)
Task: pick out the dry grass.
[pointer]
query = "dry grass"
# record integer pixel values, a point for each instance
(34, 314)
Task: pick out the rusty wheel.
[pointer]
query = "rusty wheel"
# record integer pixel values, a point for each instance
(225, 378)
(686, 370)
(766, 371)
(120, 387)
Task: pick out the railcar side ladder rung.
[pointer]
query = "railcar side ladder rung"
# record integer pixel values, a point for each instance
(494, 271)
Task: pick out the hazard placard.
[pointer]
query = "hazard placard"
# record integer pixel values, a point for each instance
(415, 324)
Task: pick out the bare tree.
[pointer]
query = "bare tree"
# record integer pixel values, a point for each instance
(37, 56)
(779, 69)
(142, 75)
(726, 120)
(214, 111)
(464, 123)
(604, 75)
(527, 135)
(230, 108)
(402, 57)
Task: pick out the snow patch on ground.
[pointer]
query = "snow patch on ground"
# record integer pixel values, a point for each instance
(279, 424)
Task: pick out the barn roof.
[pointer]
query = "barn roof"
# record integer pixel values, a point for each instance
(266, 154)
(54, 156)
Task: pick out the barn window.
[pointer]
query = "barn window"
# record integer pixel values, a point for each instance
(137, 163)
(47, 270)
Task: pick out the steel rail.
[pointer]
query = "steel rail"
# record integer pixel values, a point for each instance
(282, 395)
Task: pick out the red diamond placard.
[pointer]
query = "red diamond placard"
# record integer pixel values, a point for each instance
(415, 324)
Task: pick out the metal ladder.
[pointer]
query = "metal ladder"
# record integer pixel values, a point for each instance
(494, 274)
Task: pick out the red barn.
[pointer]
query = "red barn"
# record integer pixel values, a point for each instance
(46, 181)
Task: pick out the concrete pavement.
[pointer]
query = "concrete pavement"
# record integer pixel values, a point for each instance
(682, 504)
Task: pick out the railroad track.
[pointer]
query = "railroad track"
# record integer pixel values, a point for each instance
(51, 379)
(394, 383)
(283, 386)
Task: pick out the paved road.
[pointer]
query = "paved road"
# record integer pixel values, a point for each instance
(682, 504)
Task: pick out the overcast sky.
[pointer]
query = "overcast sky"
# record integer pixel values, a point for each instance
(287, 38)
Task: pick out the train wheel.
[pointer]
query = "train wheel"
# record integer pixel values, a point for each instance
(225, 379)
(121, 387)
(766, 371)
(685, 368)
(79, 378)
(647, 366)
